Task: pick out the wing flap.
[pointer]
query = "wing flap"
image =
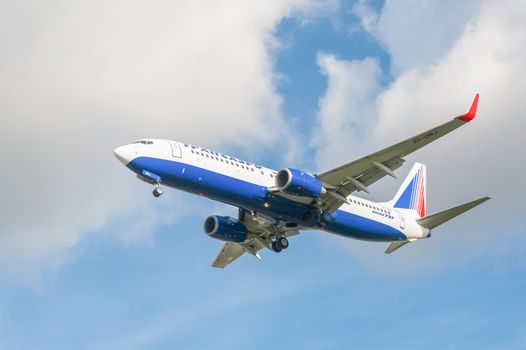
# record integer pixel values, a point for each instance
(348, 186)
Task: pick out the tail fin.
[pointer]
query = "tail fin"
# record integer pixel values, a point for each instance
(412, 193)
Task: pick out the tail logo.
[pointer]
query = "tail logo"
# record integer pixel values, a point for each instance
(414, 195)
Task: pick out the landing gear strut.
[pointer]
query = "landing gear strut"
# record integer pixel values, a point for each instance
(157, 192)
(279, 244)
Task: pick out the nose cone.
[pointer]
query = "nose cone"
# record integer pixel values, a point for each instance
(125, 154)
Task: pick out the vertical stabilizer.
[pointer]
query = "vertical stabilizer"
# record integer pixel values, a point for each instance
(412, 193)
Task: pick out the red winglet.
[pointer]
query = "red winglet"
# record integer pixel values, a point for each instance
(469, 116)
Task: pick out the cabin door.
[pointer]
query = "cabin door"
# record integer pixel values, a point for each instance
(176, 149)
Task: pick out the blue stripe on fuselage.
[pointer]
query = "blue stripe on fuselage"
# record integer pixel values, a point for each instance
(358, 227)
(250, 196)
(222, 188)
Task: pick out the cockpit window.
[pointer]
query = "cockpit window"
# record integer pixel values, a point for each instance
(144, 142)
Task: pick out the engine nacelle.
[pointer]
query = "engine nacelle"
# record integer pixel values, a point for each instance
(298, 183)
(225, 228)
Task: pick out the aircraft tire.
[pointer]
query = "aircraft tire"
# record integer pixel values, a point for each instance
(157, 192)
(283, 242)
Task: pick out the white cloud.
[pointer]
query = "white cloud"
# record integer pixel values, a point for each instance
(345, 112)
(368, 17)
(80, 78)
(416, 33)
(481, 158)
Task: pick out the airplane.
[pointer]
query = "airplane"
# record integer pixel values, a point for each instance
(275, 205)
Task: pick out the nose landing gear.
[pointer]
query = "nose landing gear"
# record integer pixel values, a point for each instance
(157, 192)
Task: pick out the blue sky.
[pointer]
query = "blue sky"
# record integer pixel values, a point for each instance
(108, 267)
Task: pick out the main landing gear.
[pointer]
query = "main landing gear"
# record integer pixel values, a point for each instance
(157, 192)
(279, 244)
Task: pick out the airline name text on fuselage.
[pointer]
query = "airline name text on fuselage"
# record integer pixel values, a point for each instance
(204, 150)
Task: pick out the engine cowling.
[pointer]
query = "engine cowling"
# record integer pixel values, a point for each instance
(298, 183)
(225, 229)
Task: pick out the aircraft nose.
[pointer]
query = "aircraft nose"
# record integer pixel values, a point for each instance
(124, 154)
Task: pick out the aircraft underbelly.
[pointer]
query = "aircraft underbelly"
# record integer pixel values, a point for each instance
(359, 227)
(221, 187)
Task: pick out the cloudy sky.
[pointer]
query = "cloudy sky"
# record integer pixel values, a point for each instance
(90, 260)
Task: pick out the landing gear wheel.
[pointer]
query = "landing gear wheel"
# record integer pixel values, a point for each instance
(283, 242)
(276, 246)
(157, 192)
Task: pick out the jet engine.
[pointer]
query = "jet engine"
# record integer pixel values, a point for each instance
(225, 229)
(298, 183)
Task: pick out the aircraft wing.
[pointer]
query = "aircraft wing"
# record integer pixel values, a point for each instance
(230, 252)
(261, 231)
(356, 176)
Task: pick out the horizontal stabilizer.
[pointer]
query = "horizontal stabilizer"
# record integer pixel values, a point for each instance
(438, 219)
(394, 246)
